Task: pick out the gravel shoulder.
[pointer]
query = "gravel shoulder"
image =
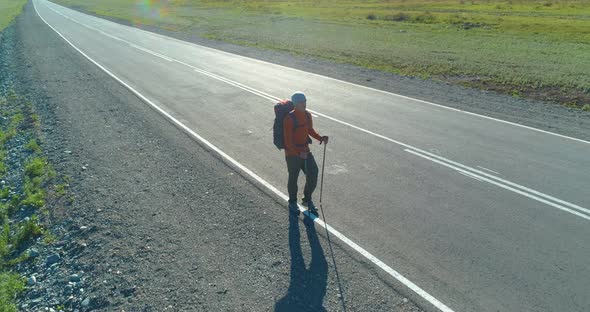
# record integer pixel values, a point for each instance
(158, 222)
(538, 114)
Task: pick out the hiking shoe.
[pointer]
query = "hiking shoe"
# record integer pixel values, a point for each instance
(310, 207)
(293, 208)
(314, 211)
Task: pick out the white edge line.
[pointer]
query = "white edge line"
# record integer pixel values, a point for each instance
(351, 83)
(196, 69)
(273, 98)
(156, 54)
(574, 212)
(343, 238)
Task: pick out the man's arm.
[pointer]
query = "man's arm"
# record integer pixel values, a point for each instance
(311, 130)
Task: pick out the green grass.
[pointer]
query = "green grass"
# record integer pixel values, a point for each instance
(27, 230)
(36, 167)
(4, 193)
(2, 157)
(532, 47)
(33, 146)
(36, 122)
(16, 120)
(37, 172)
(5, 249)
(16, 235)
(7, 135)
(9, 9)
(61, 190)
(10, 285)
(34, 196)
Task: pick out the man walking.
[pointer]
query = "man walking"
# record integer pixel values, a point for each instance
(297, 127)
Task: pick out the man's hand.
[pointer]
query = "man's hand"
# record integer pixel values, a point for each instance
(303, 155)
(324, 140)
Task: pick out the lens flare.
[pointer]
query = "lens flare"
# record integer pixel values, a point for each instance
(151, 10)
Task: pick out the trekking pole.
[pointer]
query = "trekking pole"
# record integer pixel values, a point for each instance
(322, 180)
(340, 290)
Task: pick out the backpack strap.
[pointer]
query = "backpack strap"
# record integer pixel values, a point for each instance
(295, 125)
(292, 115)
(308, 118)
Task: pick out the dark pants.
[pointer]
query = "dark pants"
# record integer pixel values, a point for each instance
(310, 169)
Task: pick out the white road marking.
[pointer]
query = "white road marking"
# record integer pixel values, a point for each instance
(201, 71)
(469, 175)
(231, 82)
(152, 53)
(410, 147)
(504, 186)
(275, 99)
(524, 188)
(117, 38)
(419, 291)
(336, 169)
(492, 171)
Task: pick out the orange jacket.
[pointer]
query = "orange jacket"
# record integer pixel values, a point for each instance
(296, 139)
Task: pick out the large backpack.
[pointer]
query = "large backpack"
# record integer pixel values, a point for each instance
(282, 109)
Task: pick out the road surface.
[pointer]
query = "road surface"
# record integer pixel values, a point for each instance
(481, 214)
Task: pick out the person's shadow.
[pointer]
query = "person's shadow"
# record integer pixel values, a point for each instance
(307, 287)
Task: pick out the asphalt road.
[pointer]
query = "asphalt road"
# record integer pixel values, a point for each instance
(481, 214)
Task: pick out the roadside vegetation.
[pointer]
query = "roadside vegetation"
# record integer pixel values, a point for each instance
(9, 9)
(11, 237)
(524, 48)
(27, 181)
(26, 176)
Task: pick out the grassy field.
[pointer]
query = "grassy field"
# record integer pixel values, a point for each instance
(9, 9)
(538, 49)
